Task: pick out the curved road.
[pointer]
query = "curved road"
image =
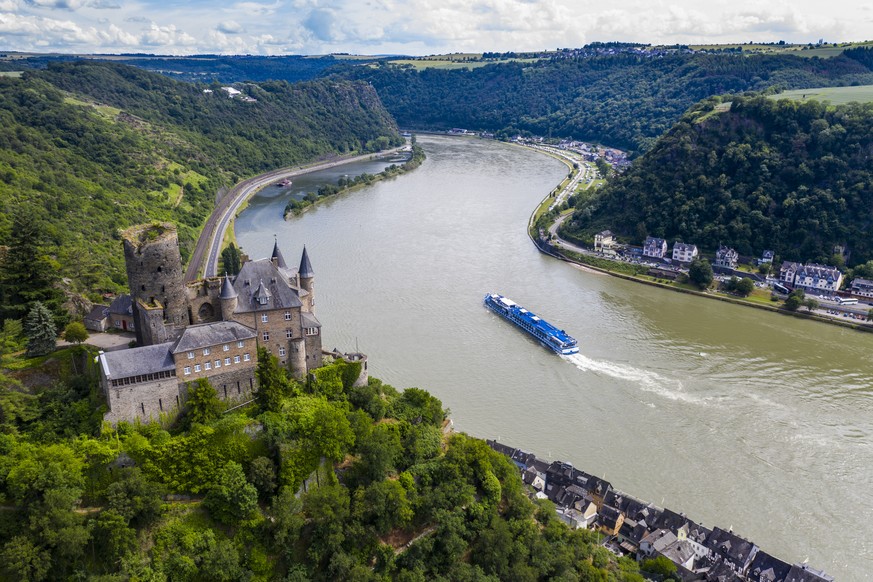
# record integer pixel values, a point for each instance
(209, 243)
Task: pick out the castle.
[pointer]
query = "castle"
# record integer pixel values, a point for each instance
(209, 328)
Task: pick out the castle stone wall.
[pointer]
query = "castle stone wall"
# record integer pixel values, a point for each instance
(144, 401)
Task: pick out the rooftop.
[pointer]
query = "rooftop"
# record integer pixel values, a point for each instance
(138, 361)
(211, 334)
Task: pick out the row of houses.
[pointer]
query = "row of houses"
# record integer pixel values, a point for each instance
(811, 276)
(643, 530)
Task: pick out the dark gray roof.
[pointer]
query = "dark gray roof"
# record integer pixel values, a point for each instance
(305, 269)
(803, 573)
(211, 334)
(138, 361)
(122, 305)
(277, 254)
(309, 320)
(731, 546)
(98, 313)
(766, 568)
(227, 290)
(283, 294)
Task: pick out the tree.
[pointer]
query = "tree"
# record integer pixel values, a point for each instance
(700, 273)
(262, 474)
(231, 499)
(810, 304)
(21, 559)
(39, 328)
(75, 332)
(870, 315)
(661, 566)
(203, 405)
(793, 302)
(231, 259)
(745, 286)
(273, 383)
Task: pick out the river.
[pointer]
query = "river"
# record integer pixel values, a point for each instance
(737, 417)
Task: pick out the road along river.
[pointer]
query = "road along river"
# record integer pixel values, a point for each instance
(734, 416)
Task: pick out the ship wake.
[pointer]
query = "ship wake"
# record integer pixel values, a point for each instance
(645, 380)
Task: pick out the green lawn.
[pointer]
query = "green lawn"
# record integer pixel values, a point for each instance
(835, 95)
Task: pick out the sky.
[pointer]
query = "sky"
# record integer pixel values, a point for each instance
(413, 27)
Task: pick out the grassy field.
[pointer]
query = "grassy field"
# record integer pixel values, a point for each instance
(835, 95)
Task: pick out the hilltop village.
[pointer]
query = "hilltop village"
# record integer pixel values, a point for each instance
(642, 530)
(210, 328)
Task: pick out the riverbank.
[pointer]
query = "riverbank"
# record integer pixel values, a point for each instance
(329, 191)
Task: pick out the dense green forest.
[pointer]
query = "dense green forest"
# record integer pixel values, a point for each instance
(623, 100)
(792, 177)
(89, 148)
(212, 496)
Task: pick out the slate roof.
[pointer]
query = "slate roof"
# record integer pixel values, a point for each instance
(609, 516)
(683, 247)
(98, 313)
(211, 334)
(309, 319)
(679, 552)
(659, 538)
(138, 361)
(731, 547)
(766, 568)
(669, 520)
(277, 254)
(803, 573)
(722, 572)
(227, 290)
(305, 269)
(282, 294)
(122, 305)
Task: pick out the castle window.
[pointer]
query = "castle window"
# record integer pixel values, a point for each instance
(142, 404)
(196, 367)
(289, 334)
(287, 316)
(246, 357)
(239, 344)
(161, 404)
(225, 347)
(225, 390)
(208, 365)
(282, 351)
(217, 363)
(205, 351)
(227, 361)
(311, 331)
(236, 359)
(266, 335)
(190, 355)
(263, 318)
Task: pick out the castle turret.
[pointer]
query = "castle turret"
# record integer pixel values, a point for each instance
(154, 273)
(228, 299)
(277, 258)
(307, 278)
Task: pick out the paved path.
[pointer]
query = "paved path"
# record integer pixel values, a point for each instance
(108, 342)
(212, 235)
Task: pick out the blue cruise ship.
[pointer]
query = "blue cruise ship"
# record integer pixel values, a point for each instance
(553, 338)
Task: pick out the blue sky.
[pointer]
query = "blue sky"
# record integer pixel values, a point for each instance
(415, 27)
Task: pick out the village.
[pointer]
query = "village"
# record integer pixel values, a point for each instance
(641, 530)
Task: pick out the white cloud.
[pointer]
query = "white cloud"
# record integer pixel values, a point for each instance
(56, 4)
(230, 27)
(166, 36)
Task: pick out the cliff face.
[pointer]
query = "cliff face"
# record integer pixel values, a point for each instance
(90, 148)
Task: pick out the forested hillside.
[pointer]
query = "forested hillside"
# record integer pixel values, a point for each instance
(88, 148)
(211, 496)
(794, 178)
(623, 100)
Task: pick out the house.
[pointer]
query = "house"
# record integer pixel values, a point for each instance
(578, 519)
(121, 313)
(787, 272)
(814, 277)
(97, 319)
(726, 257)
(604, 240)
(732, 549)
(656, 541)
(680, 553)
(766, 568)
(655, 248)
(766, 257)
(611, 520)
(684, 253)
(803, 573)
(862, 287)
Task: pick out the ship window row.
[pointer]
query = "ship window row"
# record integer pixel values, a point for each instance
(144, 378)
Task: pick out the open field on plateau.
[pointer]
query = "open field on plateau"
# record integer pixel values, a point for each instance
(835, 95)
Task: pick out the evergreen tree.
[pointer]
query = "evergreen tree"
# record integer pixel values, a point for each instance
(39, 327)
(273, 384)
(231, 259)
(203, 404)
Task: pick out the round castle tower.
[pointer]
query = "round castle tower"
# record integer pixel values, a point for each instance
(154, 273)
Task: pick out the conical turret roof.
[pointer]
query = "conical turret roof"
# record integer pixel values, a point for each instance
(227, 290)
(305, 269)
(277, 254)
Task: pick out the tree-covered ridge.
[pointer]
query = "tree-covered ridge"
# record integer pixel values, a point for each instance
(779, 175)
(89, 148)
(388, 496)
(622, 100)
